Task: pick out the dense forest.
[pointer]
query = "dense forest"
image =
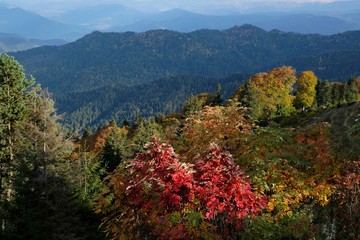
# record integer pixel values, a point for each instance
(117, 102)
(277, 159)
(116, 68)
(102, 59)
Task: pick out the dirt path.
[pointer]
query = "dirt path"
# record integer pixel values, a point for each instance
(340, 119)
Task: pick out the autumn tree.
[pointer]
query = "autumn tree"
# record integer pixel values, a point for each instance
(269, 95)
(225, 194)
(306, 92)
(224, 125)
(145, 195)
(292, 168)
(157, 196)
(347, 198)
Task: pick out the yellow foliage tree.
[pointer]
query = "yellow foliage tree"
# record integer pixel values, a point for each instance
(306, 92)
(268, 95)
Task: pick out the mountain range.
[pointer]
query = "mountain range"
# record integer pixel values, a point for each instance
(325, 18)
(127, 61)
(184, 21)
(32, 25)
(13, 42)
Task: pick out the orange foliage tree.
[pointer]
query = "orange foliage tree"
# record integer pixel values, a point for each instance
(223, 125)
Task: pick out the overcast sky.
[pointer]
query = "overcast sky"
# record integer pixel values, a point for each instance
(48, 7)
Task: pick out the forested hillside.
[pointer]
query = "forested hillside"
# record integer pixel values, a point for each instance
(119, 102)
(101, 59)
(137, 63)
(12, 42)
(278, 159)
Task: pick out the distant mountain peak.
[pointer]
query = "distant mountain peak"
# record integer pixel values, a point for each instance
(245, 27)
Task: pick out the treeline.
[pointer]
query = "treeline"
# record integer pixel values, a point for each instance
(217, 169)
(163, 97)
(95, 108)
(270, 95)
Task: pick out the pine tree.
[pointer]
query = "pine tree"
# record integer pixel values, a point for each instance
(192, 106)
(13, 87)
(337, 93)
(351, 91)
(323, 94)
(116, 149)
(41, 205)
(144, 133)
(218, 99)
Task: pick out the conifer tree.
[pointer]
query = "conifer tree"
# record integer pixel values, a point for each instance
(351, 90)
(323, 94)
(13, 87)
(116, 148)
(40, 189)
(192, 106)
(218, 99)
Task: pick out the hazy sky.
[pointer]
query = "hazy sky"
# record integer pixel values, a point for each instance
(48, 7)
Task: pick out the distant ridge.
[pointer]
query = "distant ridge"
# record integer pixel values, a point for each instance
(13, 42)
(73, 24)
(185, 21)
(102, 63)
(132, 58)
(30, 25)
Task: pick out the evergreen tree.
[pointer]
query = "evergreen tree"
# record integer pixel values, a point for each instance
(192, 106)
(116, 149)
(144, 133)
(42, 206)
(337, 93)
(351, 90)
(323, 94)
(37, 197)
(87, 172)
(218, 99)
(13, 87)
